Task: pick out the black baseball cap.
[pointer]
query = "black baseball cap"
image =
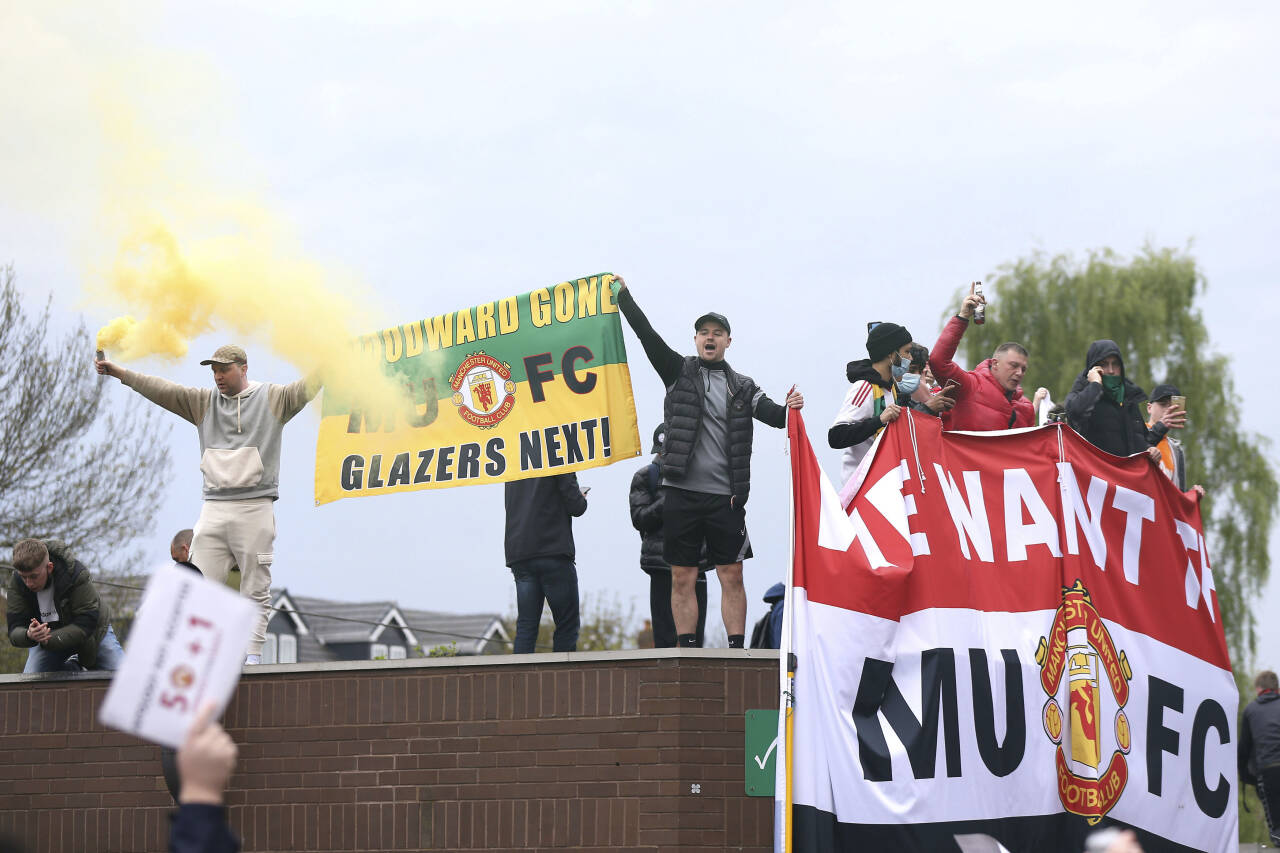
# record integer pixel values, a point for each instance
(715, 318)
(659, 436)
(1163, 392)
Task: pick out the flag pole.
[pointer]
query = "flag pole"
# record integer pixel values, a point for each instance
(788, 664)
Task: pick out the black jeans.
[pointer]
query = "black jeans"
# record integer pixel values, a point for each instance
(550, 579)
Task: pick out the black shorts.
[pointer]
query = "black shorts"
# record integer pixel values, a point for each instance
(692, 519)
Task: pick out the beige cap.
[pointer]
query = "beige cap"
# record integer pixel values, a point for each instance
(228, 354)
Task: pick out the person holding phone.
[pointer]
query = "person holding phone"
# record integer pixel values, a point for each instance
(1166, 399)
(540, 553)
(989, 397)
(1104, 406)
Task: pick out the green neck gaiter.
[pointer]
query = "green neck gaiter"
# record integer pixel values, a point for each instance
(1113, 387)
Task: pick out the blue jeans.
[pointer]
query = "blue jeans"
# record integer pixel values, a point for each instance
(555, 580)
(110, 656)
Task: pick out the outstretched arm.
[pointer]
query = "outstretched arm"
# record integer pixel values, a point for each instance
(287, 400)
(664, 359)
(190, 404)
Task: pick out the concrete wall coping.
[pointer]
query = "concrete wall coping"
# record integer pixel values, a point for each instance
(540, 659)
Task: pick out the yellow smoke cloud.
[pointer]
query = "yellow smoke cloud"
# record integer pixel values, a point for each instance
(175, 242)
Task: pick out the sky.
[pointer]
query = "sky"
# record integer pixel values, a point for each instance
(802, 168)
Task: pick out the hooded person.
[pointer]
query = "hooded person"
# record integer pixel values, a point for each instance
(1105, 407)
(868, 405)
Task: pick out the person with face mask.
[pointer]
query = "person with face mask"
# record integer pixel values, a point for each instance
(917, 389)
(1105, 407)
(870, 404)
(989, 397)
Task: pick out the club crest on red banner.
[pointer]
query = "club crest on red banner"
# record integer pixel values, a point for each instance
(1079, 647)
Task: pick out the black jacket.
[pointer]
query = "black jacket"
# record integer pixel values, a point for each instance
(201, 828)
(1258, 745)
(646, 499)
(682, 406)
(1119, 429)
(540, 514)
(83, 618)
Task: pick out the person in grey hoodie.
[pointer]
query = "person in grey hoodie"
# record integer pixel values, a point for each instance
(239, 423)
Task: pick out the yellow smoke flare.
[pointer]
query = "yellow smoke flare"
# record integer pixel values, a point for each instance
(248, 287)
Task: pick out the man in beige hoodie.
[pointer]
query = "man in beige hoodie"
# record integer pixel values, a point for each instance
(239, 424)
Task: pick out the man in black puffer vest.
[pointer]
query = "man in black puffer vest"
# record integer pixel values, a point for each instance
(706, 463)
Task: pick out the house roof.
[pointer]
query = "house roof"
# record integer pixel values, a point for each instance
(341, 621)
(470, 631)
(362, 622)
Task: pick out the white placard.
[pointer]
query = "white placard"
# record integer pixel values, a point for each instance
(186, 648)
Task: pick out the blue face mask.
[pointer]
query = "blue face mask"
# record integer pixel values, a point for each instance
(900, 369)
(909, 382)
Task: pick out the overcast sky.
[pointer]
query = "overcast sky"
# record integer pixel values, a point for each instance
(802, 168)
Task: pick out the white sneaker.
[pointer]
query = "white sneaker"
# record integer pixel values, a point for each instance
(252, 660)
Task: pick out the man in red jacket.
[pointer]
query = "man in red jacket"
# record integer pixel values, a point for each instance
(989, 397)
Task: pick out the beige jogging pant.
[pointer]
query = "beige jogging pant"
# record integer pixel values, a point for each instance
(231, 534)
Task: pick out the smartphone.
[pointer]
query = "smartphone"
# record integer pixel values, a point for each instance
(1179, 401)
(950, 388)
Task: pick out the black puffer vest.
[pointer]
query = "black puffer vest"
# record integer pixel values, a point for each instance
(682, 411)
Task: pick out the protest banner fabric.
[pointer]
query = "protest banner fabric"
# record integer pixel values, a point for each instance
(1010, 634)
(525, 386)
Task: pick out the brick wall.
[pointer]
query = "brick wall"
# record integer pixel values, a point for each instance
(566, 752)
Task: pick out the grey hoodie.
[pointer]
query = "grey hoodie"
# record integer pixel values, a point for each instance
(239, 435)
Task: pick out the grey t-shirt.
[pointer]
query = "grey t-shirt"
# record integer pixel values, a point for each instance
(708, 469)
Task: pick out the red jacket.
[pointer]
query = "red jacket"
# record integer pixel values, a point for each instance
(981, 404)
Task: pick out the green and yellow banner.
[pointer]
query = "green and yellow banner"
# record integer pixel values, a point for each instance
(525, 386)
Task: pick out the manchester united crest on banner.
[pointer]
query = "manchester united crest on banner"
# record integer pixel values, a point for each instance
(483, 390)
(1079, 649)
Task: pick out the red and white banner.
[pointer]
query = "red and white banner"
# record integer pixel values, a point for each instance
(1010, 634)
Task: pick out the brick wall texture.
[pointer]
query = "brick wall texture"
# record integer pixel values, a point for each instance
(569, 754)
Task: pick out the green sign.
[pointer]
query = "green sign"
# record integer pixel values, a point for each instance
(761, 748)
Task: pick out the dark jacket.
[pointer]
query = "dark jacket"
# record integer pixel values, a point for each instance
(201, 828)
(1259, 739)
(982, 403)
(646, 501)
(682, 407)
(767, 633)
(1118, 429)
(83, 618)
(540, 514)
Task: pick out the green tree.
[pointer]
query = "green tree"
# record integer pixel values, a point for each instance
(1056, 306)
(607, 624)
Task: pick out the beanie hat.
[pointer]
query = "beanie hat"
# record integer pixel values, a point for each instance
(885, 338)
